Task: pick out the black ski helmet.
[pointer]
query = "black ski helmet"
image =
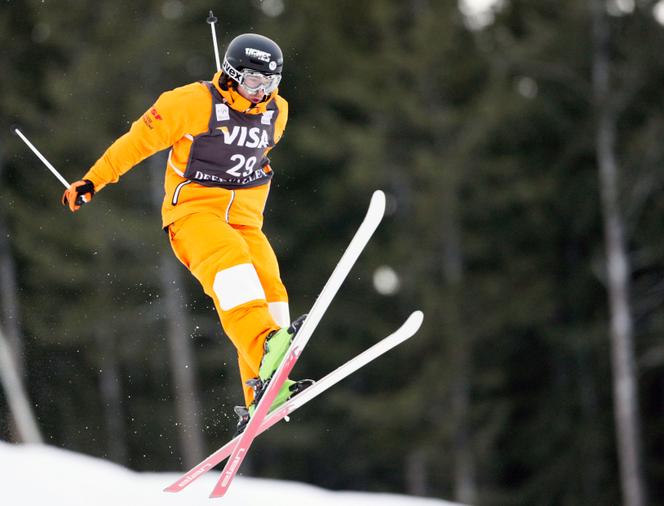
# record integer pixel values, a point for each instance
(254, 52)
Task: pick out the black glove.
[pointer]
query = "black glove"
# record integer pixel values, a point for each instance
(78, 194)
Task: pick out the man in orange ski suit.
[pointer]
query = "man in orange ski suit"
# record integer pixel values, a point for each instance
(216, 184)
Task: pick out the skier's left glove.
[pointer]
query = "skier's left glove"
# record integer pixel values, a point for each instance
(74, 195)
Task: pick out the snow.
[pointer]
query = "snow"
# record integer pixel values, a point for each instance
(38, 474)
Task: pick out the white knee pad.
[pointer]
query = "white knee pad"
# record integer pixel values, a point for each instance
(280, 313)
(236, 285)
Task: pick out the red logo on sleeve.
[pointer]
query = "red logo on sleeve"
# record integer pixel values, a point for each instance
(154, 112)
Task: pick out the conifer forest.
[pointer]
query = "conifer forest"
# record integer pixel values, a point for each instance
(522, 154)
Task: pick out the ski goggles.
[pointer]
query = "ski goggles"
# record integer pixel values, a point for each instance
(252, 80)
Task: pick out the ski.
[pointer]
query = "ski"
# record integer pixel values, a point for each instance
(366, 229)
(405, 332)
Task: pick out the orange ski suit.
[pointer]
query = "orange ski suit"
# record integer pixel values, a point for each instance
(215, 232)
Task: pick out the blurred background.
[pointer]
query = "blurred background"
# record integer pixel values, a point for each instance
(520, 145)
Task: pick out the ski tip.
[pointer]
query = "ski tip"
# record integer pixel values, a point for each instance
(415, 320)
(378, 199)
(176, 486)
(216, 494)
(13, 128)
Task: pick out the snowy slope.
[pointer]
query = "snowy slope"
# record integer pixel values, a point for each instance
(32, 475)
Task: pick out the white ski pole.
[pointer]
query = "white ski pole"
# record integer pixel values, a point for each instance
(43, 159)
(212, 20)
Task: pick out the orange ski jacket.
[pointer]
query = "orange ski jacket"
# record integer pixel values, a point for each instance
(173, 121)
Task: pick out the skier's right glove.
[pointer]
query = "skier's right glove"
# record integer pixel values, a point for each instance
(74, 195)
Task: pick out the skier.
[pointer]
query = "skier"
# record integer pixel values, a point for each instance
(216, 184)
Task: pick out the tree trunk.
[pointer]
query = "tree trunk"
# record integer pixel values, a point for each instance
(17, 399)
(10, 305)
(183, 367)
(625, 392)
(416, 472)
(9, 291)
(9, 309)
(111, 394)
(465, 486)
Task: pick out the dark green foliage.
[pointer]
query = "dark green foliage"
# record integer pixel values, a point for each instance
(484, 142)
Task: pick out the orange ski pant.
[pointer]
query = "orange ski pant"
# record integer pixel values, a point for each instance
(239, 271)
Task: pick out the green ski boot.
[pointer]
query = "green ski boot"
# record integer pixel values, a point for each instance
(288, 390)
(275, 348)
